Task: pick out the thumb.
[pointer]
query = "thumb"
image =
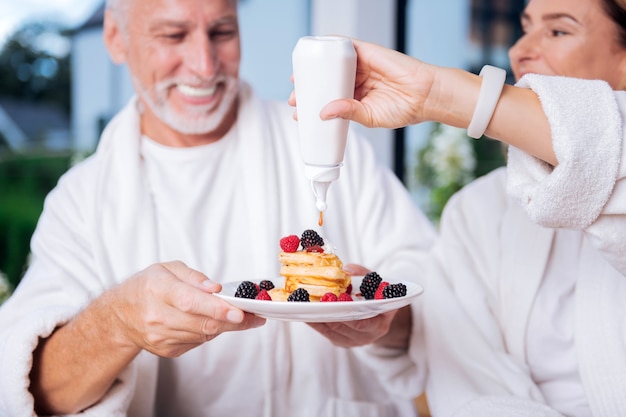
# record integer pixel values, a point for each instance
(342, 108)
(192, 276)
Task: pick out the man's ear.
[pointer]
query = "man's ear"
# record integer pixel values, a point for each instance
(114, 38)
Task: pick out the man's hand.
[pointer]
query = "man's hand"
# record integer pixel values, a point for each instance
(170, 308)
(390, 329)
(166, 309)
(356, 333)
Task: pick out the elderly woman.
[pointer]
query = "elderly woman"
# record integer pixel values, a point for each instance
(524, 304)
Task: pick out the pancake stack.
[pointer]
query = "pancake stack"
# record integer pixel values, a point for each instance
(312, 268)
(318, 273)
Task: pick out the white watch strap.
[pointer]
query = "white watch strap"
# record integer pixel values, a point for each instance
(490, 90)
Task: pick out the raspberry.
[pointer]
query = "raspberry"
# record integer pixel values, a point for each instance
(290, 243)
(344, 296)
(311, 238)
(379, 291)
(394, 291)
(299, 294)
(266, 285)
(370, 284)
(328, 297)
(264, 295)
(247, 289)
(315, 248)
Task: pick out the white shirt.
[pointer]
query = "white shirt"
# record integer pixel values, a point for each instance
(183, 183)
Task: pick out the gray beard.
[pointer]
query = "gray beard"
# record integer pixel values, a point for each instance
(198, 124)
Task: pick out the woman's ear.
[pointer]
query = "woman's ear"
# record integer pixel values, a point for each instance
(622, 73)
(114, 37)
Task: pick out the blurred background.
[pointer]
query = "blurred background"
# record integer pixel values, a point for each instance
(58, 89)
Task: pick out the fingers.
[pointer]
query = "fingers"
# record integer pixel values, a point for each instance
(212, 328)
(356, 333)
(355, 270)
(191, 276)
(337, 339)
(170, 332)
(179, 287)
(186, 299)
(195, 303)
(181, 341)
(292, 98)
(170, 308)
(208, 327)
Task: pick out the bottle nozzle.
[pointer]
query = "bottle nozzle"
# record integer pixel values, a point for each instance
(320, 188)
(321, 177)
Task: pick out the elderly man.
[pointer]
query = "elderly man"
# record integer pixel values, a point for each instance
(196, 178)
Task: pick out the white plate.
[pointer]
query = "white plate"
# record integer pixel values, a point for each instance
(312, 312)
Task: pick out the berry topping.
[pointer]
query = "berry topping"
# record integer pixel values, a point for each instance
(266, 285)
(369, 285)
(299, 294)
(247, 289)
(394, 291)
(329, 296)
(344, 296)
(290, 243)
(311, 238)
(379, 291)
(315, 248)
(349, 289)
(264, 295)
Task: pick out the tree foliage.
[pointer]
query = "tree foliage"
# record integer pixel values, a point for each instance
(35, 65)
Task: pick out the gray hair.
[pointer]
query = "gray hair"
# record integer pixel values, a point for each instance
(116, 5)
(119, 9)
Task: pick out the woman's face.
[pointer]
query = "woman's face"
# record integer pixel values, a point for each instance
(573, 38)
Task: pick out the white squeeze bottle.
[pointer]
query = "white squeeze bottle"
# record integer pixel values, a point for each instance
(324, 69)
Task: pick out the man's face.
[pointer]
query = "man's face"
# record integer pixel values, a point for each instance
(184, 57)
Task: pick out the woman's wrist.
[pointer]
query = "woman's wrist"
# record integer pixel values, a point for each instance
(453, 97)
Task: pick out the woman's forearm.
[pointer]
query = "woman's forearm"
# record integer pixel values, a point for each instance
(518, 119)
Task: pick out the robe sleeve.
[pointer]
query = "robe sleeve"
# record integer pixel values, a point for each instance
(587, 189)
(57, 286)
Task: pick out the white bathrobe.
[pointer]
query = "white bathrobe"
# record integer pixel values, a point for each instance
(97, 229)
(496, 247)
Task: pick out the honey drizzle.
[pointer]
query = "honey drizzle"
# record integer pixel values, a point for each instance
(320, 221)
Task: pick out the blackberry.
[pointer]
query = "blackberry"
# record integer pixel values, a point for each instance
(370, 284)
(247, 289)
(311, 238)
(266, 285)
(299, 294)
(394, 291)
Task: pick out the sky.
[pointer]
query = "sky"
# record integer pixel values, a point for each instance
(14, 13)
